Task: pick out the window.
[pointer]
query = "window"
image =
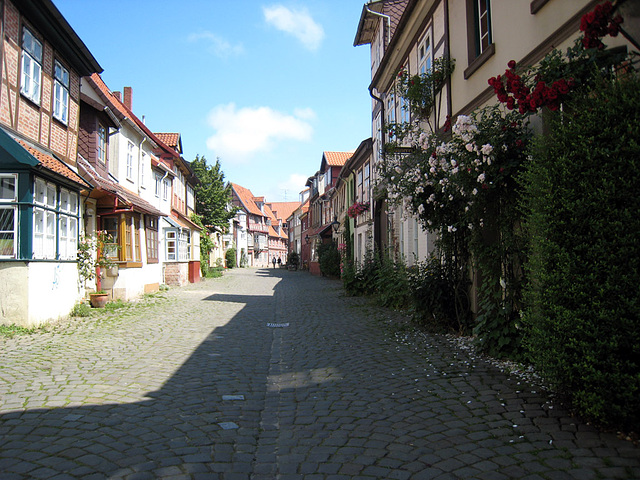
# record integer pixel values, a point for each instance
(125, 231)
(143, 163)
(60, 93)
(68, 225)
(110, 225)
(172, 245)
(8, 217)
(425, 59)
(365, 185)
(102, 144)
(191, 199)
(165, 190)
(31, 66)
(391, 112)
(151, 238)
(480, 46)
(359, 185)
(158, 181)
(130, 147)
(131, 239)
(482, 16)
(44, 219)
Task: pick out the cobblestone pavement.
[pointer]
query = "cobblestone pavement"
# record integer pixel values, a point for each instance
(270, 374)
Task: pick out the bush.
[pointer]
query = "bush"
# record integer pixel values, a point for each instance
(329, 259)
(582, 321)
(392, 284)
(293, 258)
(435, 298)
(213, 272)
(230, 257)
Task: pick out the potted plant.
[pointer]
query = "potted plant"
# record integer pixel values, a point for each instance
(92, 256)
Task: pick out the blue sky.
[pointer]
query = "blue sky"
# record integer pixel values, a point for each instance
(265, 86)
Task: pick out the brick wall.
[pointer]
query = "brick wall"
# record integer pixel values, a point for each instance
(18, 113)
(176, 274)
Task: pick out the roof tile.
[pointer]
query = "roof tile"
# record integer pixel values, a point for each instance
(337, 159)
(53, 164)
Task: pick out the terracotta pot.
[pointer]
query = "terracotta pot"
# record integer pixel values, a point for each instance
(98, 300)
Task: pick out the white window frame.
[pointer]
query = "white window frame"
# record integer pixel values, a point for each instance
(68, 225)
(482, 34)
(44, 219)
(130, 147)
(425, 53)
(158, 185)
(171, 245)
(165, 190)
(143, 163)
(191, 198)
(31, 76)
(5, 205)
(60, 93)
(102, 144)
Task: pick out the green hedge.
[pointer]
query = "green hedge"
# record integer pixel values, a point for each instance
(582, 324)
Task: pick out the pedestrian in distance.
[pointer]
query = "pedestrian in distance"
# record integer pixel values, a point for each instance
(279, 262)
(273, 260)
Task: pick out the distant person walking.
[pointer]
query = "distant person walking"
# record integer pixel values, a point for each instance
(273, 260)
(279, 262)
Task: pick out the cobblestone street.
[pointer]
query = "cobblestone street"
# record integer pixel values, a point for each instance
(271, 374)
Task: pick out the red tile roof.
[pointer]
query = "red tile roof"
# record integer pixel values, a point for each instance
(283, 210)
(336, 159)
(53, 164)
(113, 188)
(246, 198)
(170, 139)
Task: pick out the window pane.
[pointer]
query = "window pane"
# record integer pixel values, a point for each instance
(7, 234)
(51, 195)
(8, 188)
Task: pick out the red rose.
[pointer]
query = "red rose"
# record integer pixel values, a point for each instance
(511, 64)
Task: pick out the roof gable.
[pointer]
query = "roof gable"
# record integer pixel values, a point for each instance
(246, 199)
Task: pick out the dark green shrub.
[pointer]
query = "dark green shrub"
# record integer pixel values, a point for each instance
(230, 257)
(392, 284)
(293, 258)
(435, 302)
(329, 259)
(582, 323)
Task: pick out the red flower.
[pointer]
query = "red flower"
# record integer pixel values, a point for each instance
(511, 64)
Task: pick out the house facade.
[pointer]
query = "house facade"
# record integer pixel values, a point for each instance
(42, 193)
(352, 201)
(115, 156)
(321, 216)
(256, 226)
(179, 235)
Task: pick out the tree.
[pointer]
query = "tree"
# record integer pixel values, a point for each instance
(213, 195)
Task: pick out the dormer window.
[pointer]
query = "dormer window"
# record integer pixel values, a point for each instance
(31, 67)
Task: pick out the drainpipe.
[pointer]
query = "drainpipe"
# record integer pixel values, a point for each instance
(377, 230)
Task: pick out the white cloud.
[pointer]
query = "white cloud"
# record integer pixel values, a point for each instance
(217, 45)
(243, 132)
(296, 22)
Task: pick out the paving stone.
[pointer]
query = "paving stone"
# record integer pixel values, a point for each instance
(314, 384)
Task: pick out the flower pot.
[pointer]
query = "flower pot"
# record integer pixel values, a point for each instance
(98, 300)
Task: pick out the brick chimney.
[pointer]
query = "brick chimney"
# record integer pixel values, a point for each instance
(127, 97)
(117, 95)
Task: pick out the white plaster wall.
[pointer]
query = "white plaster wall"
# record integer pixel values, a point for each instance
(130, 282)
(53, 291)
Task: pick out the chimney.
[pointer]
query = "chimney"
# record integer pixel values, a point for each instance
(117, 95)
(127, 97)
